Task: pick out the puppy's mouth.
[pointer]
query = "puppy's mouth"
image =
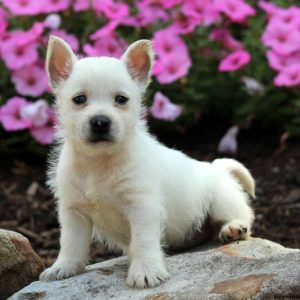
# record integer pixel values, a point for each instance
(95, 139)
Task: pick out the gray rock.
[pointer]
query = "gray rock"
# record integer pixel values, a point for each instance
(19, 264)
(252, 269)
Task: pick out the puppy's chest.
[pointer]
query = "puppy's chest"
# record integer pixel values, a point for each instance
(103, 188)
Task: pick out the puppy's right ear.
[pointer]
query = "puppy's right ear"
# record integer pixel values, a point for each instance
(59, 61)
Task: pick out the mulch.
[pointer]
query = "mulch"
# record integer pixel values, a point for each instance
(27, 206)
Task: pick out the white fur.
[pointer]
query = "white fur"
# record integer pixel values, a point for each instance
(134, 193)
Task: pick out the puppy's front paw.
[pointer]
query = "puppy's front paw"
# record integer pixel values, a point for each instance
(143, 273)
(62, 270)
(233, 231)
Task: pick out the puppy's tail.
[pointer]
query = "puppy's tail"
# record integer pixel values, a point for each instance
(239, 171)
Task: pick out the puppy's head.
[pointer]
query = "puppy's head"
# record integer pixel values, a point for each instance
(98, 99)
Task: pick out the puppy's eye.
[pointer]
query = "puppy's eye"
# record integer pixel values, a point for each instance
(80, 99)
(119, 99)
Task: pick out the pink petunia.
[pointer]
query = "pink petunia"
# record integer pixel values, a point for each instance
(288, 18)
(185, 22)
(166, 41)
(111, 45)
(237, 10)
(169, 3)
(52, 6)
(165, 4)
(31, 80)
(234, 61)
(224, 37)
(42, 122)
(104, 31)
(17, 54)
(71, 39)
(288, 77)
(81, 5)
(10, 114)
(171, 67)
(149, 12)
(163, 109)
(269, 8)
(3, 22)
(37, 112)
(44, 135)
(283, 40)
(204, 9)
(228, 144)
(112, 10)
(33, 34)
(19, 48)
(23, 7)
(279, 62)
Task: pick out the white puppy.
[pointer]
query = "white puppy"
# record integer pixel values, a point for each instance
(114, 180)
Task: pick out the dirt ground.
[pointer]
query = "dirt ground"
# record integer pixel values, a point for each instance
(26, 205)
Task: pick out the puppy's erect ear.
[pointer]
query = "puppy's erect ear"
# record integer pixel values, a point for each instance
(139, 59)
(60, 61)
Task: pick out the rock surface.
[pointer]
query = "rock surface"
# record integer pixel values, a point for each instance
(19, 264)
(253, 269)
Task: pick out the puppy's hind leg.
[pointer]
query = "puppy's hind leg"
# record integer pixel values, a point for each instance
(230, 208)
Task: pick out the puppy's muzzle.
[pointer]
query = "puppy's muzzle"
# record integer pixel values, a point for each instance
(100, 127)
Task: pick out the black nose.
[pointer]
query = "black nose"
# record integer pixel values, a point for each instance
(100, 124)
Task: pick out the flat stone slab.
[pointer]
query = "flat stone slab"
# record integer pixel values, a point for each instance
(252, 269)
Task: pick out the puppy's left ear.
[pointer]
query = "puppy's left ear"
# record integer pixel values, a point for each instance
(138, 59)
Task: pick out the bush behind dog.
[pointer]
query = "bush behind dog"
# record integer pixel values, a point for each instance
(236, 59)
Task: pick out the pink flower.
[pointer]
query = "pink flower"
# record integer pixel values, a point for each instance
(51, 6)
(269, 8)
(37, 112)
(23, 7)
(168, 3)
(110, 45)
(204, 9)
(166, 41)
(31, 80)
(228, 143)
(283, 40)
(105, 30)
(16, 53)
(171, 67)
(236, 10)
(19, 48)
(52, 21)
(279, 62)
(163, 109)
(10, 114)
(81, 5)
(41, 117)
(71, 39)
(111, 9)
(234, 61)
(149, 12)
(3, 22)
(288, 77)
(165, 4)
(224, 37)
(288, 18)
(44, 135)
(185, 22)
